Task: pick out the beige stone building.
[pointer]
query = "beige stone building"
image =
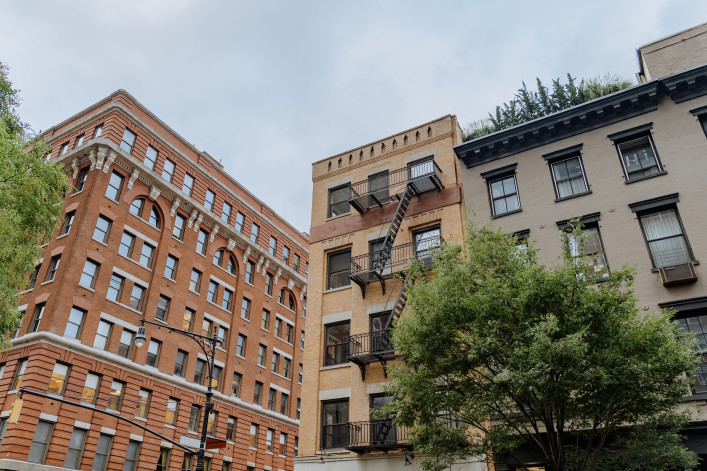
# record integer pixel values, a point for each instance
(375, 208)
(632, 166)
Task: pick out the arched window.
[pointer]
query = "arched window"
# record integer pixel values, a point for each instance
(220, 258)
(138, 208)
(154, 220)
(231, 266)
(286, 298)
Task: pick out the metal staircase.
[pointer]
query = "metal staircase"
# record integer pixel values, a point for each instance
(399, 304)
(389, 240)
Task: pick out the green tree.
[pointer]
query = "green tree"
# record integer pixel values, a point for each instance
(31, 196)
(518, 353)
(527, 105)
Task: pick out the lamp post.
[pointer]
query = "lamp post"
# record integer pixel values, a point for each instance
(208, 346)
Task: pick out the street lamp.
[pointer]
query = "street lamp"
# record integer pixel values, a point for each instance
(208, 346)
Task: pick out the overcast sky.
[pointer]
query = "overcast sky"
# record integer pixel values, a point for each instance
(268, 87)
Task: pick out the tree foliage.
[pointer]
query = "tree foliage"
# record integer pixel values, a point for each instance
(31, 194)
(527, 105)
(522, 354)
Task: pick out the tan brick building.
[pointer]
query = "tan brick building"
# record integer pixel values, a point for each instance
(375, 209)
(632, 166)
(154, 227)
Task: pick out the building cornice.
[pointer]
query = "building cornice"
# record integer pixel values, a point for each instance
(102, 153)
(579, 119)
(124, 363)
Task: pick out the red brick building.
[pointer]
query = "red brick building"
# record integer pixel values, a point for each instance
(155, 227)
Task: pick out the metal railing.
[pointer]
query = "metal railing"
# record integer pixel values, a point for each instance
(336, 354)
(334, 436)
(375, 434)
(399, 255)
(425, 175)
(373, 343)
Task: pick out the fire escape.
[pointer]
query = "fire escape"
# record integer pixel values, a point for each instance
(386, 260)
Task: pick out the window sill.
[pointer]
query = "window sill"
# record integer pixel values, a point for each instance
(135, 262)
(100, 242)
(269, 452)
(565, 198)
(282, 376)
(244, 319)
(646, 177)
(194, 292)
(333, 290)
(694, 397)
(141, 419)
(111, 199)
(506, 214)
(125, 306)
(240, 356)
(334, 367)
(178, 240)
(226, 271)
(170, 426)
(85, 287)
(331, 218)
(261, 366)
(146, 222)
(252, 448)
(249, 283)
(286, 307)
(63, 235)
(170, 279)
(657, 269)
(47, 282)
(74, 194)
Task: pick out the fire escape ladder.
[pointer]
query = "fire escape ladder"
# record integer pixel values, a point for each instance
(395, 224)
(399, 304)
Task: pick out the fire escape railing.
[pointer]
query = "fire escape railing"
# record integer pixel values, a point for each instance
(375, 434)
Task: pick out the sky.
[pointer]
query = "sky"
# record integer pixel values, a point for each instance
(268, 87)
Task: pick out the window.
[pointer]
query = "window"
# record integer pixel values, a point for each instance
(257, 393)
(97, 131)
(250, 268)
(335, 416)
(187, 462)
(170, 416)
(136, 297)
(143, 403)
(79, 141)
(663, 231)
(146, 255)
(696, 325)
(211, 424)
(155, 219)
(338, 264)
(90, 388)
(218, 258)
(221, 334)
(286, 255)
(136, 207)
(202, 242)
(163, 459)
(288, 333)
(283, 444)
(337, 343)
(304, 306)
(180, 223)
(57, 381)
(503, 190)
(199, 371)
(180, 363)
(226, 466)
(262, 353)
(40, 442)
(426, 241)
(115, 287)
(213, 291)
(114, 186)
(53, 267)
(73, 325)
(231, 266)
(88, 274)
(168, 170)
(591, 245)
(150, 157)
(126, 343)
(75, 450)
(284, 403)
(195, 280)
(19, 373)
(68, 221)
(102, 335)
(275, 363)
(81, 180)
(188, 319)
(240, 347)
(102, 229)
(273, 245)
(268, 440)
(64, 148)
(128, 141)
(245, 309)
(253, 440)
(194, 416)
(278, 327)
(37, 318)
(115, 399)
(170, 268)
(286, 363)
(209, 200)
(301, 340)
(131, 456)
(226, 212)
(33, 277)
(153, 353)
(378, 187)
(339, 201)
(237, 381)
(265, 320)
(188, 184)
(268, 284)
(296, 451)
(639, 158)
(299, 374)
(239, 221)
(127, 242)
(100, 458)
(254, 233)
(568, 176)
(206, 328)
(231, 429)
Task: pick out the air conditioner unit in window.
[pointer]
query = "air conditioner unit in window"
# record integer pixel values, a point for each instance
(677, 274)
